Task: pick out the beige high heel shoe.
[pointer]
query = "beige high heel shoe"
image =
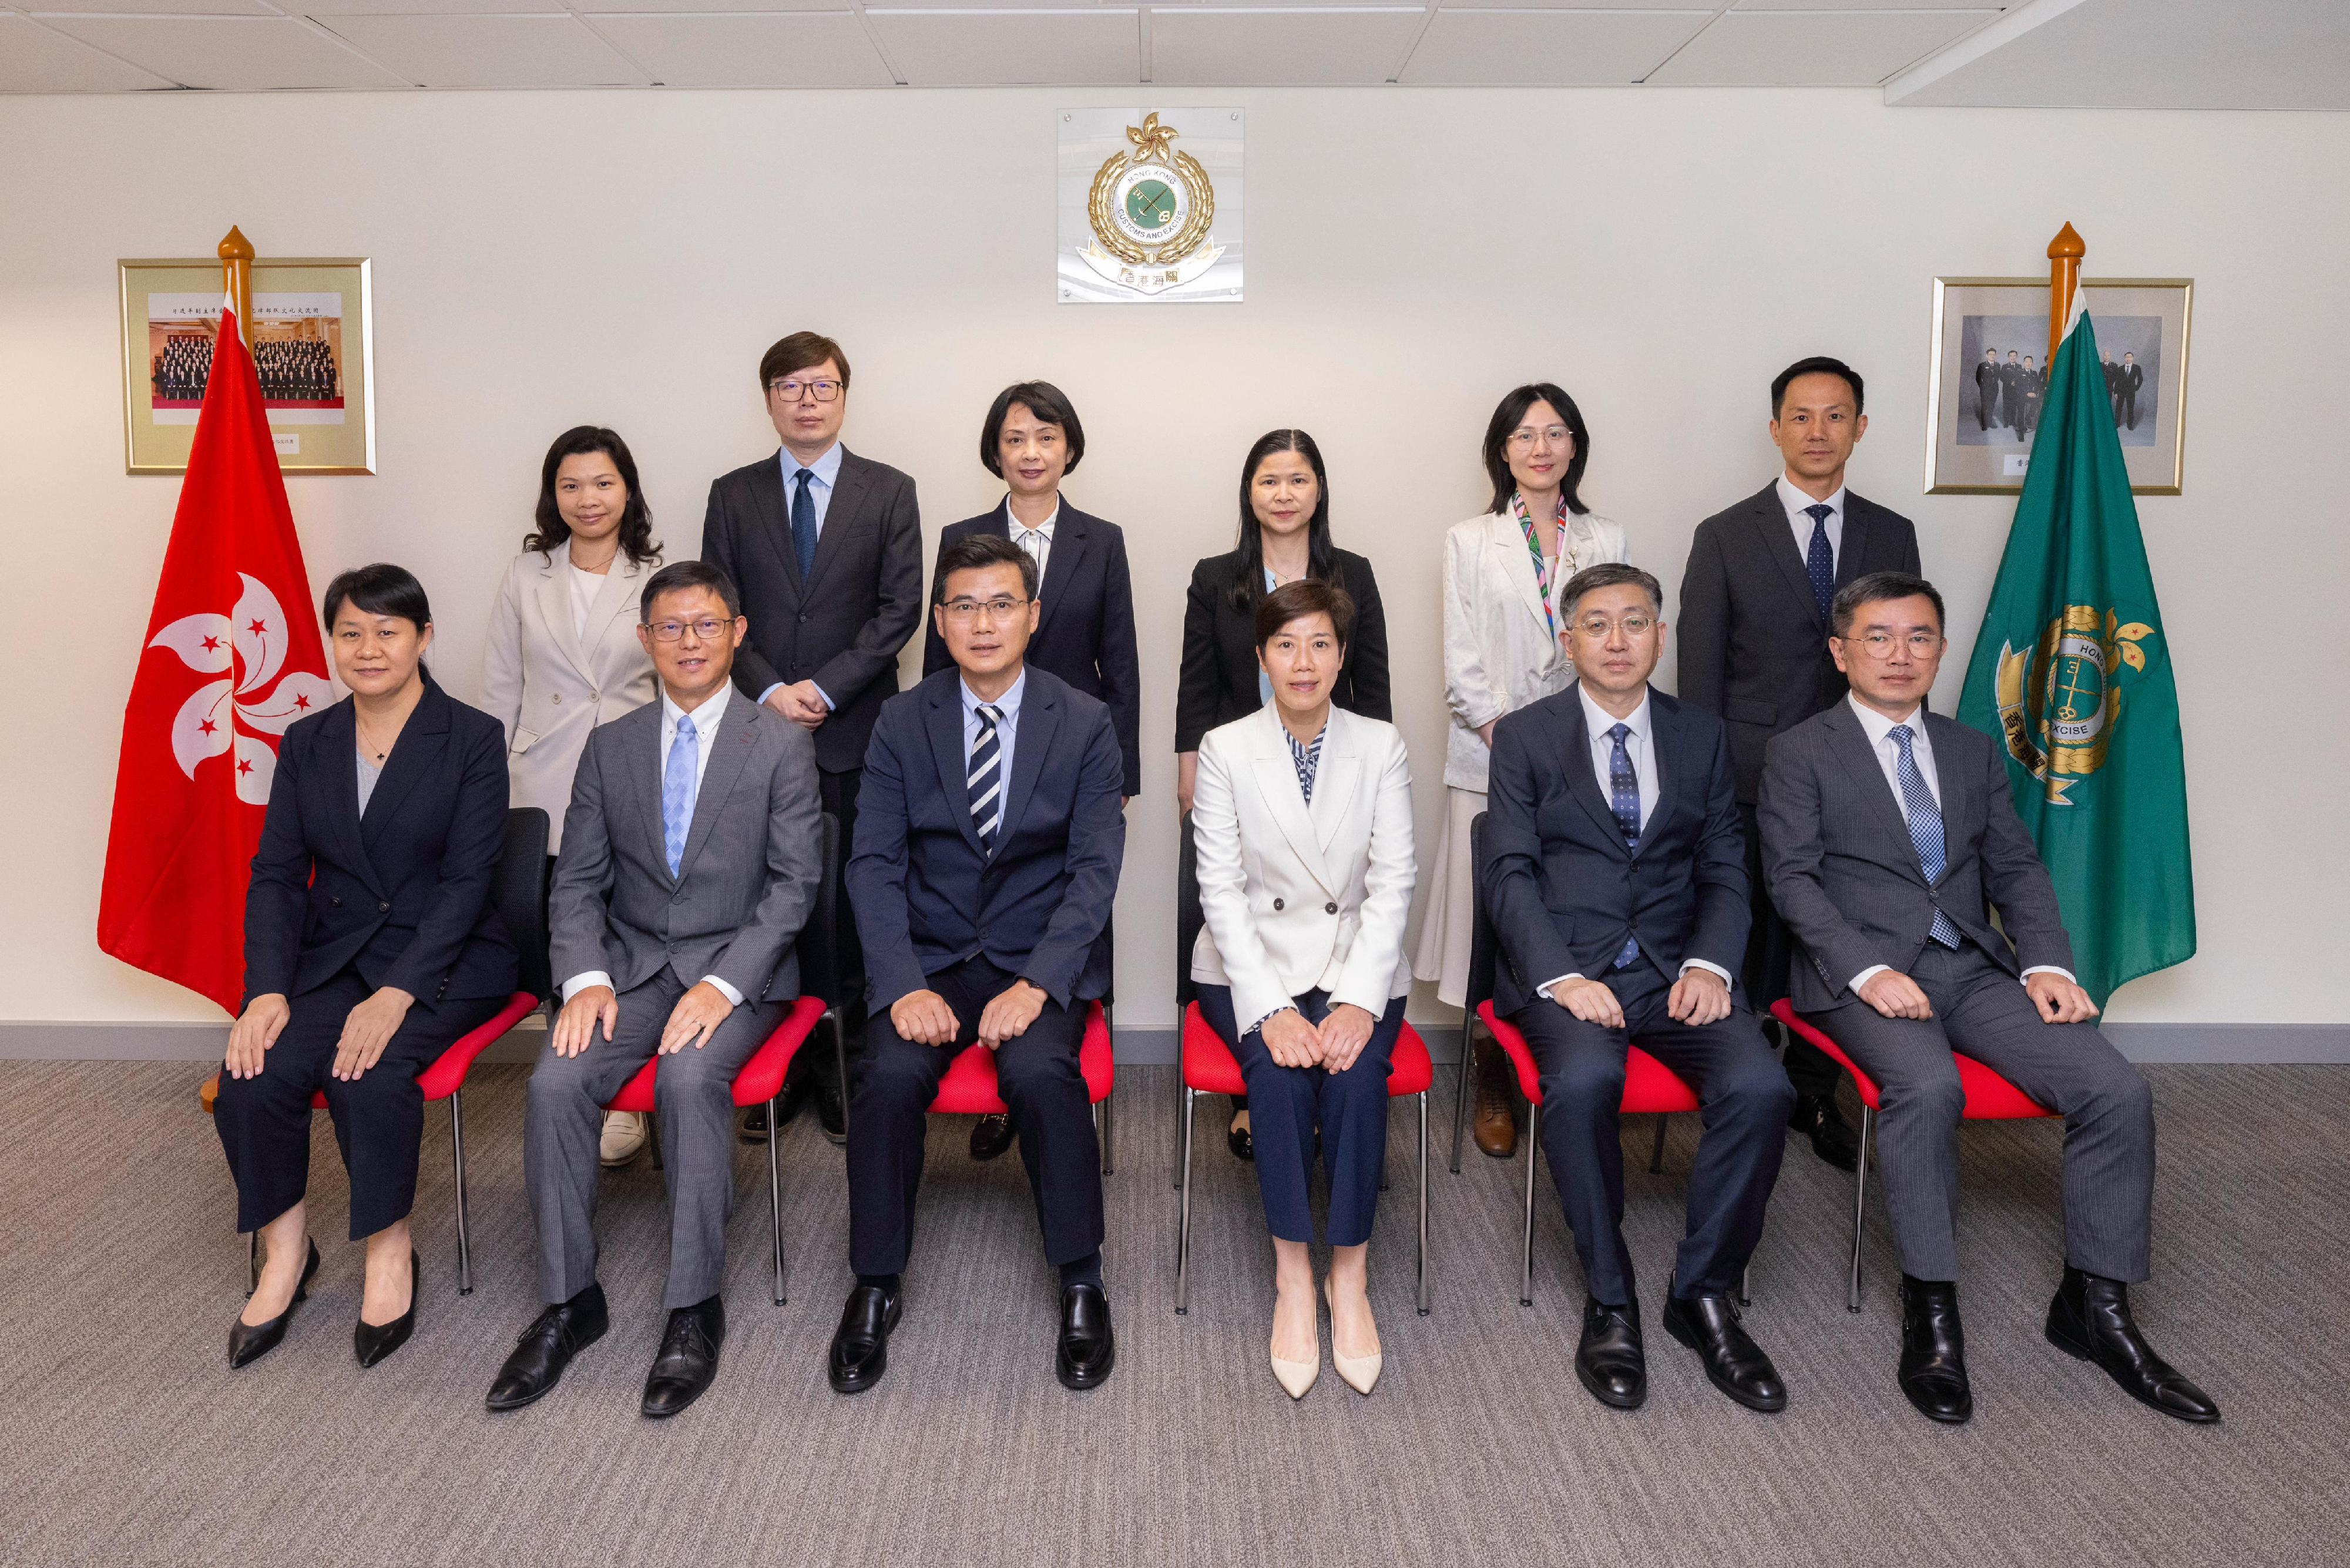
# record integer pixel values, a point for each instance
(1360, 1372)
(1296, 1376)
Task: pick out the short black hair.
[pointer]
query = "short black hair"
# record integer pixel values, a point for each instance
(381, 588)
(1307, 596)
(1608, 575)
(1048, 404)
(1817, 365)
(974, 552)
(800, 351)
(680, 575)
(1876, 588)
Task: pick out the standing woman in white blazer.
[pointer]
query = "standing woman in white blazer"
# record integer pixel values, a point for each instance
(564, 656)
(1301, 817)
(1502, 574)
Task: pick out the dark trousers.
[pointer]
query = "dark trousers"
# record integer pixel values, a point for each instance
(1979, 1009)
(1743, 1099)
(1986, 401)
(1037, 1076)
(1350, 1108)
(2127, 417)
(1769, 948)
(844, 986)
(265, 1121)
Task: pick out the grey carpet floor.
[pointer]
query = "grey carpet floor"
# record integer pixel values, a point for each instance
(124, 1438)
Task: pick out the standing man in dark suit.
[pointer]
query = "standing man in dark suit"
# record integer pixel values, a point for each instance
(986, 862)
(827, 549)
(1085, 630)
(2034, 385)
(2010, 394)
(1616, 879)
(1891, 838)
(2127, 380)
(1987, 388)
(2113, 387)
(1755, 631)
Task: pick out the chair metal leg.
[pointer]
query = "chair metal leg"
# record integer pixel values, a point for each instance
(1422, 1098)
(1101, 1131)
(652, 1136)
(1656, 1155)
(1859, 1206)
(1183, 1222)
(1182, 1105)
(457, 1157)
(775, 1197)
(1744, 1300)
(840, 1064)
(252, 1261)
(1460, 1099)
(1534, 1159)
(1108, 1117)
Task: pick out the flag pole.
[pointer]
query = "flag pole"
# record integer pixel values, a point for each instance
(236, 278)
(2065, 254)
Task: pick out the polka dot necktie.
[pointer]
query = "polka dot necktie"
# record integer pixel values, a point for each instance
(1819, 561)
(1624, 799)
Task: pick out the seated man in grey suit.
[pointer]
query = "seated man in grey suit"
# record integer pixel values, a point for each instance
(1891, 838)
(690, 855)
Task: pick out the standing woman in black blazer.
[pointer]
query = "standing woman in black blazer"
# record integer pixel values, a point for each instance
(1030, 440)
(370, 947)
(1284, 536)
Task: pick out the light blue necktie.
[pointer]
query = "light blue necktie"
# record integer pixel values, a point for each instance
(1925, 829)
(677, 793)
(1624, 799)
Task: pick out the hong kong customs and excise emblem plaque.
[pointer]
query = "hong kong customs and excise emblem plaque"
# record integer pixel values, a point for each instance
(1149, 205)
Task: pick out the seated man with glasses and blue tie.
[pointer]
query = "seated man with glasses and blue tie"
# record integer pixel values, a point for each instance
(988, 845)
(691, 856)
(1890, 839)
(1615, 871)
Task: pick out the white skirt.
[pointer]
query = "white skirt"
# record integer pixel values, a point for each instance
(1450, 918)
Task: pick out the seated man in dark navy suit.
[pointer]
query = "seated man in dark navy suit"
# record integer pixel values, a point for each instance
(1615, 871)
(989, 835)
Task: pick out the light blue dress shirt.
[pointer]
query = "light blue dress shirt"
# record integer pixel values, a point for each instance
(824, 472)
(1007, 728)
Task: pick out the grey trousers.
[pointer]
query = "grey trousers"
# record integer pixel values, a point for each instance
(1980, 1010)
(694, 1109)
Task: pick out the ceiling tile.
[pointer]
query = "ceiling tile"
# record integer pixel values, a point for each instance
(1227, 47)
(1870, 5)
(2146, 54)
(234, 53)
(1814, 48)
(33, 58)
(151, 7)
(810, 50)
(1548, 48)
(326, 10)
(650, 7)
(1011, 48)
(490, 51)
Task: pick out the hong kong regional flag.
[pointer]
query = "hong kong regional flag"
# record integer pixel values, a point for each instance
(232, 658)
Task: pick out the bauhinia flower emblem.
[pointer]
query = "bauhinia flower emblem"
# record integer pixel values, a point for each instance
(247, 647)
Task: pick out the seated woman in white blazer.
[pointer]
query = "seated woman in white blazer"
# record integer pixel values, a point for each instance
(564, 656)
(1302, 815)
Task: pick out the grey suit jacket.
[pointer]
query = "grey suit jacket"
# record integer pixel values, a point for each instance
(747, 880)
(1837, 857)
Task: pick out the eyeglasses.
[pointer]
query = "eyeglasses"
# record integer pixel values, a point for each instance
(1597, 627)
(1527, 439)
(790, 390)
(962, 612)
(671, 630)
(1879, 644)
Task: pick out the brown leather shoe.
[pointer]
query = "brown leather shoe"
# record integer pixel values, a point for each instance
(1495, 1124)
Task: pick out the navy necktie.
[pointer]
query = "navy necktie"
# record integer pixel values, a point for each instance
(1819, 561)
(985, 781)
(1926, 833)
(1624, 799)
(803, 524)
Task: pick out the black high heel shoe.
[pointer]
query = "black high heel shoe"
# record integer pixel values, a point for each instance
(374, 1341)
(249, 1342)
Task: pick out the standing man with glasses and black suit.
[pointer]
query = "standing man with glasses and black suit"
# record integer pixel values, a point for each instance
(826, 547)
(1754, 649)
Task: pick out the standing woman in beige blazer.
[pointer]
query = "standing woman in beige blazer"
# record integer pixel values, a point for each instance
(564, 656)
(1502, 574)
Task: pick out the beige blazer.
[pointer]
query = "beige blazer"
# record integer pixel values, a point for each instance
(1300, 899)
(548, 685)
(1500, 654)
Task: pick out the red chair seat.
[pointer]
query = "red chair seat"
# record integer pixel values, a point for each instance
(447, 1074)
(1210, 1068)
(1650, 1088)
(969, 1087)
(762, 1077)
(1989, 1096)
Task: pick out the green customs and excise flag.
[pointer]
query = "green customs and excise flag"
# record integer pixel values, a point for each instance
(2072, 673)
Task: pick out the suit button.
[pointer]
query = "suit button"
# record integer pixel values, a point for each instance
(558, 696)
(384, 908)
(804, 616)
(594, 696)
(677, 897)
(1329, 909)
(1276, 906)
(336, 902)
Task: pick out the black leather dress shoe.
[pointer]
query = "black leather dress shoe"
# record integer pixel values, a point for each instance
(688, 1360)
(248, 1343)
(1733, 1362)
(1237, 1138)
(2090, 1318)
(831, 1114)
(547, 1347)
(372, 1342)
(1934, 1351)
(1087, 1347)
(860, 1345)
(1832, 1139)
(1611, 1360)
(989, 1136)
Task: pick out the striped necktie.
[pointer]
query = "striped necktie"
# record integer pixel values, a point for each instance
(985, 777)
(1624, 799)
(1925, 829)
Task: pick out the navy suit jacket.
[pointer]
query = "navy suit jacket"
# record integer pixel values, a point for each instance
(1085, 633)
(402, 892)
(927, 898)
(1562, 889)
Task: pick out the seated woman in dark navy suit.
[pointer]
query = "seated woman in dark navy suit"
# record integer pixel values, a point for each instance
(370, 947)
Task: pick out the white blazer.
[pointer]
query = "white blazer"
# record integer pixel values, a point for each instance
(548, 684)
(1300, 899)
(1500, 653)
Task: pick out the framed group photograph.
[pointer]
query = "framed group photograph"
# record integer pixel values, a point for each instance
(1989, 376)
(312, 345)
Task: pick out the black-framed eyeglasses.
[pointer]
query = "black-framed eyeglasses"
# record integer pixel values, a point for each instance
(822, 389)
(672, 630)
(963, 611)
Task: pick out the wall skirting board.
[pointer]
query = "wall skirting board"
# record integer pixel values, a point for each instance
(2236, 1042)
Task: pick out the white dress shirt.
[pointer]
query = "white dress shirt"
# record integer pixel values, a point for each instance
(823, 474)
(706, 721)
(1007, 727)
(1639, 747)
(1879, 730)
(1036, 541)
(1795, 500)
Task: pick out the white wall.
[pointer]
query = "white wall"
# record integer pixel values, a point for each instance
(547, 259)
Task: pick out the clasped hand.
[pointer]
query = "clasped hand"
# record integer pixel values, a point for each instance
(801, 703)
(1333, 1045)
(924, 1018)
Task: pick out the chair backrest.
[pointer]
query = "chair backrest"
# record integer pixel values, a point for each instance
(819, 945)
(1485, 949)
(519, 895)
(1188, 917)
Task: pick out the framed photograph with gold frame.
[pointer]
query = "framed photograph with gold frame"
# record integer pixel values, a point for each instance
(314, 344)
(1990, 341)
